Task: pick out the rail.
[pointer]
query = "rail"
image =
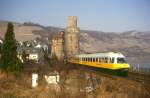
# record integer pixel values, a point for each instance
(138, 77)
(143, 78)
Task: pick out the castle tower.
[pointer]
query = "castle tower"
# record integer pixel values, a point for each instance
(58, 46)
(71, 37)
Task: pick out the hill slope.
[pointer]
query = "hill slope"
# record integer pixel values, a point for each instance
(134, 44)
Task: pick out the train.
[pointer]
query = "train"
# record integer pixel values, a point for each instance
(108, 61)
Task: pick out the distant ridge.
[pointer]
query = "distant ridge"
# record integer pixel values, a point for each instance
(133, 44)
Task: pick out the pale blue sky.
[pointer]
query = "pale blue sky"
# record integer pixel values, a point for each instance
(104, 15)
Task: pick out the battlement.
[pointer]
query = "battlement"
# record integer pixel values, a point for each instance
(72, 21)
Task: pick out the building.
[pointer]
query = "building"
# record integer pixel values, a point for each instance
(1, 41)
(33, 54)
(34, 57)
(72, 37)
(57, 48)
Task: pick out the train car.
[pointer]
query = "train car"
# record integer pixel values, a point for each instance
(113, 61)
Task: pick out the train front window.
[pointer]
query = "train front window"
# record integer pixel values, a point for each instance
(121, 60)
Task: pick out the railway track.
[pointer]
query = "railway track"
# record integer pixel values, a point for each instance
(145, 79)
(142, 78)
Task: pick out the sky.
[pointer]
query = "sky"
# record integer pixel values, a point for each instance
(102, 15)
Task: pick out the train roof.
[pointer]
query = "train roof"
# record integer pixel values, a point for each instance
(107, 54)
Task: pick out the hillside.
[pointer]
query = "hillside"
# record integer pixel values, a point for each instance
(28, 31)
(134, 44)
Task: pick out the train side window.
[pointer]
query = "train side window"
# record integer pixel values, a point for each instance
(96, 59)
(99, 59)
(112, 60)
(93, 59)
(106, 59)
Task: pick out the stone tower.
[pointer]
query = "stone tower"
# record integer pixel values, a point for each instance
(71, 37)
(58, 46)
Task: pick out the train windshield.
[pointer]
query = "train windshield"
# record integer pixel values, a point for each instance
(121, 60)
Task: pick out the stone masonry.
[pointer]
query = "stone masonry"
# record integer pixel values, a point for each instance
(71, 37)
(66, 44)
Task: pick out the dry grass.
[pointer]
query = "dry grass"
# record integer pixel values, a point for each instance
(69, 87)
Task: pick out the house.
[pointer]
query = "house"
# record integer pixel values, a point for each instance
(33, 54)
(20, 57)
(1, 41)
(38, 46)
(42, 46)
(34, 57)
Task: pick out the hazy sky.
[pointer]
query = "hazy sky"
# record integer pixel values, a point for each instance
(104, 15)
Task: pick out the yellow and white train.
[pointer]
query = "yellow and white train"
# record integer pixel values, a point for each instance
(109, 60)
